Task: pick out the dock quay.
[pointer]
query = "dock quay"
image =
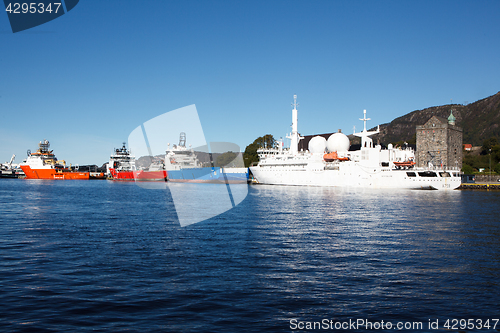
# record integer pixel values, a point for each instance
(486, 186)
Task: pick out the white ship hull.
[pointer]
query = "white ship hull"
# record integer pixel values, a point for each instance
(356, 176)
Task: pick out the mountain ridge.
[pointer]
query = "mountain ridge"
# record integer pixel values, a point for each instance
(479, 120)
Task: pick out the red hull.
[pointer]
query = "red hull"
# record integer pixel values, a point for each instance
(52, 173)
(138, 175)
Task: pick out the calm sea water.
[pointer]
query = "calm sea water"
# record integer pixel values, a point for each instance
(81, 256)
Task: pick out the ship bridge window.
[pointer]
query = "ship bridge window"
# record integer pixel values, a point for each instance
(444, 174)
(427, 174)
(411, 174)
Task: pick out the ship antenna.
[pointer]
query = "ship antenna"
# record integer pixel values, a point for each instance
(294, 136)
(182, 139)
(295, 104)
(364, 119)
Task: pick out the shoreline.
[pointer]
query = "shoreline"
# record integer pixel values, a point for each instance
(480, 186)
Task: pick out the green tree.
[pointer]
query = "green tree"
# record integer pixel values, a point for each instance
(467, 169)
(488, 144)
(250, 155)
(490, 155)
(497, 168)
(477, 161)
(266, 141)
(413, 140)
(495, 153)
(400, 143)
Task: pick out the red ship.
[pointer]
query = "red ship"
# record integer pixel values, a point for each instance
(122, 167)
(43, 164)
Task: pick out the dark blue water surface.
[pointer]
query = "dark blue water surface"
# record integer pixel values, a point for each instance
(81, 256)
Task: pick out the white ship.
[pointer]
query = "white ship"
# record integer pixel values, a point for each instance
(330, 163)
(183, 166)
(11, 170)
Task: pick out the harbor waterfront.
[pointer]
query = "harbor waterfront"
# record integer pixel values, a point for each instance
(81, 256)
(495, 186)
(332, 163)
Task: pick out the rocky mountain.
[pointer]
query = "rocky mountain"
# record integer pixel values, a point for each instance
(480, 121)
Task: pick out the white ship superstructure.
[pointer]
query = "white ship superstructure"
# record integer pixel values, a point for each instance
(182, 165)
(10, 169)
(43, 164)
(181, 157)
(330, 163)
(121, 161)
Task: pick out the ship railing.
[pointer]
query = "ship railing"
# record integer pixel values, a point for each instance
(444, 167)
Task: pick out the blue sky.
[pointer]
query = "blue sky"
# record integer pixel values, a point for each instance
(86, 80)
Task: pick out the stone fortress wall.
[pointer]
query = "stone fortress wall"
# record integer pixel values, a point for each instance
(439, 143)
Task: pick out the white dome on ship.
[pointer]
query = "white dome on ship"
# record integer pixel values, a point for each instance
(338, 142)
(317, 145)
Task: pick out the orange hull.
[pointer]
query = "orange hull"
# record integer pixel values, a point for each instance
(53, 173)
(139, 175)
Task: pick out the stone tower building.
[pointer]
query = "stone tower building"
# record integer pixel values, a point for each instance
(439, 143)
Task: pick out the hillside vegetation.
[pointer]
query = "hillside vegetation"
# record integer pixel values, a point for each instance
(480, 121)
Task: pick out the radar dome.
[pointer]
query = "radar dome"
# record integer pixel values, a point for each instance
(317, 145)
(338, 142)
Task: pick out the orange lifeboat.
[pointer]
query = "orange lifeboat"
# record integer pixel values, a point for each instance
(405, 164)
(333, 156)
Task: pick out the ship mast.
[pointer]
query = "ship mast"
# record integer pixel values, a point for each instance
(366, 142)
(364, 120)
(294, 136)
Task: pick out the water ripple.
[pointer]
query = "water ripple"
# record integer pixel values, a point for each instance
(104, 256)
